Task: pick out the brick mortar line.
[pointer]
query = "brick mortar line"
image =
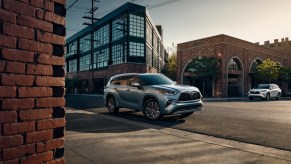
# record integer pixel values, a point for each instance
(209, 139)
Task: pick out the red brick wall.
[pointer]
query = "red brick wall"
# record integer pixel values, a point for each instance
(32, 117)
(227, 47)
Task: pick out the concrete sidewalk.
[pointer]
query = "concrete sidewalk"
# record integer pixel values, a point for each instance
(99, 138)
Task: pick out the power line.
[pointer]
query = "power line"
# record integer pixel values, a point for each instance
(72, 4)
(78, 11)
(162, 4)
(167, 2)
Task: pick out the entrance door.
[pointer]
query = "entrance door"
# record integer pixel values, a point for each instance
(233, 86)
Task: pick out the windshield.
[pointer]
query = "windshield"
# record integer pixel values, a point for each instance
(263, 86)
(156, 79)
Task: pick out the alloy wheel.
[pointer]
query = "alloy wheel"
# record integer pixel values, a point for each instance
(111, 105)
(268, 97)
(152, 110)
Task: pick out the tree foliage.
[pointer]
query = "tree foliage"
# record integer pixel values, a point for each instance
(284, 74)
(203, 67)
(170, 68)
(268, 70)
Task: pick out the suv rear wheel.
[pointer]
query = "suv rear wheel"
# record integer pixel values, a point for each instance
(111, 105)
(278, 96)
(152, 109)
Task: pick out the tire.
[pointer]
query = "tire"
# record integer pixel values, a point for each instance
(151, 109)
(111, 105)
(268, 97)
(250, 98)
(278, 96)
(183, 115)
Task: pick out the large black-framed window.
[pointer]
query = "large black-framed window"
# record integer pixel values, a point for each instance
(119, 28)
(119, 53)
(72, 49)
(73, 65)
(101, 36)
(136, 26)
(101, 58)
(85, 43)
(85, 62)
(136, 49)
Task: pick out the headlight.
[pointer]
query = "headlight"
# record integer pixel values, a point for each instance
(167, 92)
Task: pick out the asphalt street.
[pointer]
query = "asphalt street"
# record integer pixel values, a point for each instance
(266, 123)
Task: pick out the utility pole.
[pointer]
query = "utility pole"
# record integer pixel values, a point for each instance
(93, 19)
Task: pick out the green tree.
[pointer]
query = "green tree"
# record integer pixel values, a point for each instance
(268, 71)
(170, 68)
(284, 76)
(203, 68)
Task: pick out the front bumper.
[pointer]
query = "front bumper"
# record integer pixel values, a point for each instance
(183, 107)
(261, 95)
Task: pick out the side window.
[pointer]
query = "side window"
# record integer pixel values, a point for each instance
(134, 79)
(115, 81)
(123, 80)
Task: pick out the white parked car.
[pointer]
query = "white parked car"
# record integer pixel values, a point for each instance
(265, 92)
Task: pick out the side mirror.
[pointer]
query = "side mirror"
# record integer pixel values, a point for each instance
(136, 84)
(175, 82)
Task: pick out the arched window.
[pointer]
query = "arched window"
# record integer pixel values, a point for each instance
(254, 65)
(234, 65)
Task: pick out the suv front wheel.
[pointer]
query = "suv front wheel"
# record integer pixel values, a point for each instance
(152, 109)
(111, 105)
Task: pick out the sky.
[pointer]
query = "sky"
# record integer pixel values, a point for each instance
(186, 20)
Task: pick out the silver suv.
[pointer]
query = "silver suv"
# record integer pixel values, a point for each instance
(265, 91)
(153, 94)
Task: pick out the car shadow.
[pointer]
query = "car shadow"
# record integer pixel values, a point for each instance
(95, 123)
(84, 102)
(165, 121)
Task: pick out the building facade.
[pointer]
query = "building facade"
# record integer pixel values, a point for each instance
(238, 59)
(123, 41)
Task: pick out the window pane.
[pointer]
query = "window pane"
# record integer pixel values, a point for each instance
(136, 27)
(119, 28)
(84, 62)
(101, 36)
(118, 53)
(101, 58)
(85, 43)
(136, 49)
(73, 65)
(72, 49)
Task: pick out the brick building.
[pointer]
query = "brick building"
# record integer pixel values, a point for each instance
(32, 117)
(125, 40)
(238, 58)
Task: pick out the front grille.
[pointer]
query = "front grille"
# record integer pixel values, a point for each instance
(255, 92)
(187, 96)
